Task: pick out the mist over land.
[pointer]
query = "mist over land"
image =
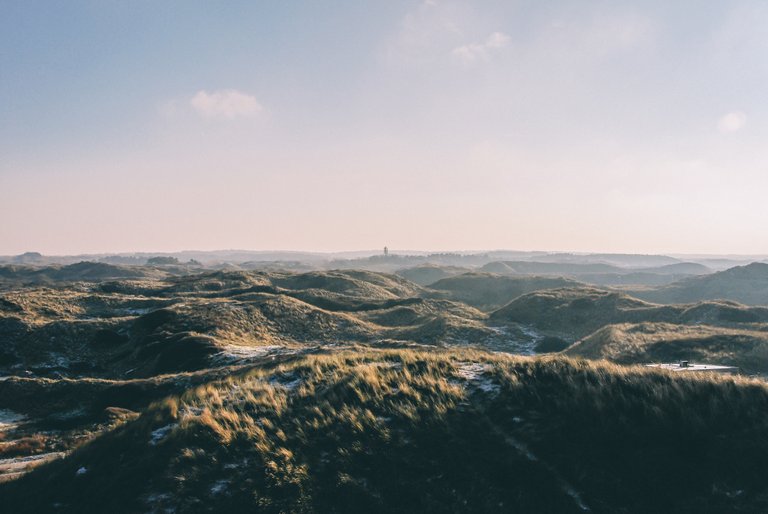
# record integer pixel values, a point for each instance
(404, 258)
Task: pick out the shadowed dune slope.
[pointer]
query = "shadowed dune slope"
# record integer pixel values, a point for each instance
(745, 284)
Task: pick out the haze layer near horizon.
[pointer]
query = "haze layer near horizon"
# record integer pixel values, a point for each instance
(588, 126)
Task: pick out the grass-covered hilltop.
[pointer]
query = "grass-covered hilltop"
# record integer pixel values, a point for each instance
(179, 388)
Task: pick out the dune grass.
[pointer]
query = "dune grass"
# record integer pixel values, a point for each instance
(426, 431)
(631, 343)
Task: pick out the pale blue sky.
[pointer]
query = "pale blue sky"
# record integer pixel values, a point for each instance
(604, 126)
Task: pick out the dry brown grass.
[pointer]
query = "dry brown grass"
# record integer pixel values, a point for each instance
(406, 430)
(23, 446)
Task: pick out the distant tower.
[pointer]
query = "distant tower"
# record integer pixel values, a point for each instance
(386, 251)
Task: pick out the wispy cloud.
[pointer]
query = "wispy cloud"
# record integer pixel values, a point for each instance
(225, 104)
(481, 51)
(732, 121)
(427, 32)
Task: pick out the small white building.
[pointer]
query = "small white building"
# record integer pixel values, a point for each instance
(686, 366)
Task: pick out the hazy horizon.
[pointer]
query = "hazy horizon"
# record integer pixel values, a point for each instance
(362, 253)
(617, 127)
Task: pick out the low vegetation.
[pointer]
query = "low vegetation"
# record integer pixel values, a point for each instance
(744, 284)
(602, 273)
(358, 391)
(488, 291)
(574, 313)
(629, 343)
(415, 431)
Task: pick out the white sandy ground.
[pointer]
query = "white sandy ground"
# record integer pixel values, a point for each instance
(136, 312)
(17, 466)
(514, 344)
(235, 353)
(219, 486)
(159, 434)
(10, 420)
(289, 383)
(474, 373)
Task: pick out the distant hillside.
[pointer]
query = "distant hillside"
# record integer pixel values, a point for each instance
(680, 268)
(426, 275)
(80, 272)
(745, 284)
(365, 284)
(601, 274)
(141, 328)
(548, 268)
(662, 342)
(626, 260)
(487, 291)
(631, 279)
(574, 313)
(580, 268)
(405, 431)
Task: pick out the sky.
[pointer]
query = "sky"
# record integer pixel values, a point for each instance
(607, 126)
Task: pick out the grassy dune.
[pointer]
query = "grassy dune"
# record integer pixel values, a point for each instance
(415, 431)
(745, 284)
(577, 312)
(141, 328)
(629, 343)
(355, 391)
(488, 291)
